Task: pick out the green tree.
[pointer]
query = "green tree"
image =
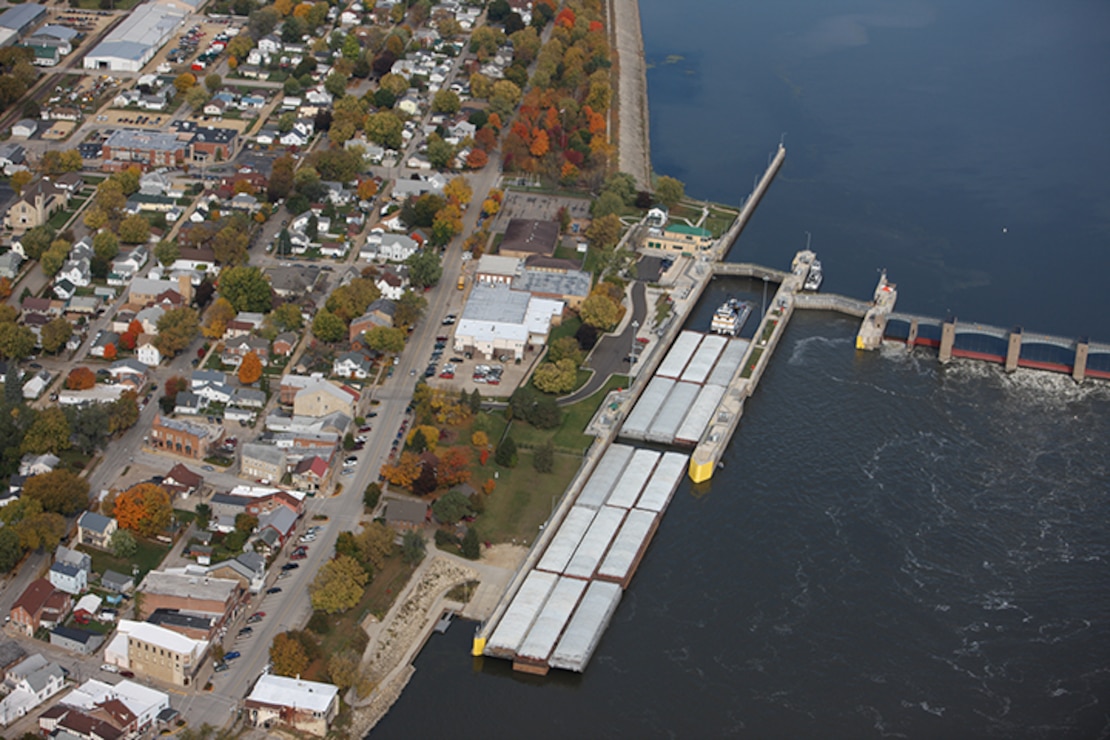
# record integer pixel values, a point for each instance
(385, 128)
(88, 425)
(48, 433)
(59, 491)
(36, 241)
(336, 84)
(328, 327)
(287, 317)
(409, 309)
(11, 551)
(123, 413)
(204, 516)
(375, 544)
(604, 232)
(16, 341)
(607, 203)
(167, 252)
(565, 348)
(246, 288)
(371, 496)
(440, 153)
(543, 458)
(471, 547)
(214, 82)
(177, 328)
(623, 185)
(196, 98)
(280, 183)
(425, 268)
(55, 334)
(123, 544)
(385, 339)
(556, 377)
(412, 548)
(106, 245)
(338, 585)
(504, 96)
(669, 191)
(134, 230)
(451, 507)
(53, 258)
(446, 102)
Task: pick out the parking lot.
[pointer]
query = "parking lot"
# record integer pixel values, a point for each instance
(541, 208)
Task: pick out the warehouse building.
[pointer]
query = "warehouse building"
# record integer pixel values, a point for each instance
(135, 41)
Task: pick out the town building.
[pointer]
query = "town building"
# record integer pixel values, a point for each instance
(525, 237)
(95, 530)
(500, 321)
(182, 437)
(307, 706)
(677, 238)
(40, 605)
(135, 41)
(155, 652)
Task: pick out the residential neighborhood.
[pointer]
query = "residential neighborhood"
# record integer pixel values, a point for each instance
(301, 306)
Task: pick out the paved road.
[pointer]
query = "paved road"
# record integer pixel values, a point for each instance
(610, 355)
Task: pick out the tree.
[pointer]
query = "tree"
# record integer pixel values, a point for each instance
(196, 98)
(58, 162)
(586, 336)
(80, 378)
(385, 339)
(176, 330)
(405, 471)
(471, 548)
(53, 258)
(216, 318)
(556, 377)
(385, 128)
(167, 252)
(477, 159)
(280, 183)
(339, 585)
(134, 230)
(36, 241)
(123, 544)
(451, 507)
(246, 523)
(543, 458)
(446, 102)
(123, 412)
(504, 96)
(454, 467)
(144, 509)
(458, 191)
(669, 191)
(606, 204)
(55, 334)
(59, 491)
(246, 288)
(204, 516)
(600, 311)
(327, 327)
(479, 439)
(11, 551)
(336, 84)
(88, 425)
(425, 268)
(287, 655)
(20, 180)
(184, 81)
(565, 348)
(48, 433)
(375, 544)
(412, 548)
(372, 495)
(604, 232)
(287, 317)
(16, 341)
(250, 369)
(409, 309)
(214, 82)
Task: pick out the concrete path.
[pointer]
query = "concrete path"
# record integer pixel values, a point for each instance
(631, 103)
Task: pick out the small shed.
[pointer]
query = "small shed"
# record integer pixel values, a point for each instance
(117, 582)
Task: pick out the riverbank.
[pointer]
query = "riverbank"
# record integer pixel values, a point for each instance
(630, 103)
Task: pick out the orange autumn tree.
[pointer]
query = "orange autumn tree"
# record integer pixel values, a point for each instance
(540, 143)
(250, 369)
(406, 470)
(454, 467)
(80, 378)
(144, 509)
(110, 352)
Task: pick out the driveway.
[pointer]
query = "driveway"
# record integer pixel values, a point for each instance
(610, 354)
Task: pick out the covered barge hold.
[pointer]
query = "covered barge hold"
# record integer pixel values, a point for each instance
(636, 474)
(699, 415)
(657, 493)
(521, 614)
(651, 400)
(596, 542)
(540, 641)
(566, 540)
(604, 476)
(586, 627)
(728, 363)
(628, 547)
(704, 359)
(681, 352)
(666, 423)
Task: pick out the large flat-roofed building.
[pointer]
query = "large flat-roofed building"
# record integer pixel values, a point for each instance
(307, 706)
(129, 146)
(571, 286)
(679, 239)
(136, 40)
(22, 18)
(183, 438)
(192, 593)
(156, 652)
(498, 320)
(525, 237)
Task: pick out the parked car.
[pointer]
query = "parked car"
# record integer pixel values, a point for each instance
(232, 655)
(291, 566)
(221, 667)
(109, 667)
(246, 631)
(273, 590)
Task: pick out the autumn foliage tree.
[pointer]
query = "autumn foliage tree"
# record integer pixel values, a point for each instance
(288, 656)
(250, 369)
(454, 467)
(405, 471)
(80, 378)
(338, 585)
(144, 509)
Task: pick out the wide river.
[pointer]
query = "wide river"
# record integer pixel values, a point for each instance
(893, 548)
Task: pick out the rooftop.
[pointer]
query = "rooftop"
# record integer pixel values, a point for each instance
(188, 586)
(292, 692)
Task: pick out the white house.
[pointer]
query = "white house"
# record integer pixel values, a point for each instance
(35, 680)
(397, 247)
(352, 365)
(148, 354)
(307, 706)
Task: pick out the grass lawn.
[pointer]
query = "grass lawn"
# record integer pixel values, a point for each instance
(570, 435)
(523, 498)
(148, 556)
(566, 329)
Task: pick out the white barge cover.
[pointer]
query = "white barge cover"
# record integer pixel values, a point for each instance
(681, 351)
(627, 546)
(562, 546)
(639, 421)
(729, 362)
(520, 615)
(657, 493)
(704, 359)
(635, 476)
(541, 639)
(700, 414)
(592, 549)
(586, 626)
(604, 476)
(666, 423)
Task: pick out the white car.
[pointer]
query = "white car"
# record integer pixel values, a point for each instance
(109, 667)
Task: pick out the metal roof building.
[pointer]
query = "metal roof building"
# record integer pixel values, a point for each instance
(134, 42)
(21, 18)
